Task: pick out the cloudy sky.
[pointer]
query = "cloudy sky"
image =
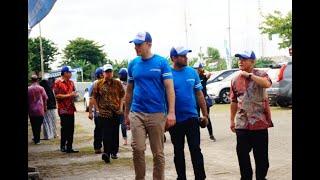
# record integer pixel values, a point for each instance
(114, 23)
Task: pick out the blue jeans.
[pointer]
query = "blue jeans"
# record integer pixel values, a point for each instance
(189, 128)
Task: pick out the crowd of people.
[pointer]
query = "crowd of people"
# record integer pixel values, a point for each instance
(150, 98)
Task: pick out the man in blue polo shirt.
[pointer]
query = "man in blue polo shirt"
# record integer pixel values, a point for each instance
(188, 90)
(149, 90)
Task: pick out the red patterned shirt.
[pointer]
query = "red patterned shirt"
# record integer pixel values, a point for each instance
(65, 105)
(253, 111)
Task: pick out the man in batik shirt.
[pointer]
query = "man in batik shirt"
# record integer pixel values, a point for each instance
(107, 97)
(250, 107)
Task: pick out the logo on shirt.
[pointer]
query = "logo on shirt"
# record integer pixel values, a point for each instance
(157, 70)
(191, 80)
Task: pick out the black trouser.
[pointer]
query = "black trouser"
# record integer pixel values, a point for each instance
(209, 126)
(110, 131)
(258, 141)
(36, 122)
(67, 130)
(123, 127)
(97, 142)
(189, 128)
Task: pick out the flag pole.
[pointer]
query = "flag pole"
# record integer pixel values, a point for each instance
(41, 53)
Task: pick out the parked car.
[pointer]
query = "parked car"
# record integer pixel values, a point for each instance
(220, 89)
(273, 91)
(86, 100)
(285, 85)
(220, 75)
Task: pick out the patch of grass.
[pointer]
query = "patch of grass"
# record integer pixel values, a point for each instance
(78, 168)
(69, 169)
(76, 140)
(79, 129)
(84, 151)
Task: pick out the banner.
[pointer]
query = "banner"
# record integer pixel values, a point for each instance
(37, 10)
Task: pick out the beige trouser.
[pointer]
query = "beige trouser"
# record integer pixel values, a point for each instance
(153, 124)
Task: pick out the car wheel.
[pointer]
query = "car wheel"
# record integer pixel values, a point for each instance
(283, 103)
(224, 96)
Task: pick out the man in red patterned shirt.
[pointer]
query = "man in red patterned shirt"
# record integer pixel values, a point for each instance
(65, 94)
(250, 107)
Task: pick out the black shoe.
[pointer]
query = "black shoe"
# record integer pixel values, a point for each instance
(71, 151)
(62, 149)
(114, 156)
(213, 138)
(106, 158)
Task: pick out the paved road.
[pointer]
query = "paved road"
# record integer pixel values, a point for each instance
(219, 157)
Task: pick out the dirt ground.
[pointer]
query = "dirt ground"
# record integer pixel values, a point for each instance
(219, 157)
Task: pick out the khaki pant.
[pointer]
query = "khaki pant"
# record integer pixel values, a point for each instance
(152, 124)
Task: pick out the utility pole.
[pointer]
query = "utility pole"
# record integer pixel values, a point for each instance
(260, 24)
(229, 28)
(185, 23)
(41, 53)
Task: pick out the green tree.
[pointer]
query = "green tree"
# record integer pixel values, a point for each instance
(213, 55)
(234, 62)
(83, 49)
(263, 62)
(192, 61)
(50, 50)
(86, 54)
(277, 24)
(117, 65)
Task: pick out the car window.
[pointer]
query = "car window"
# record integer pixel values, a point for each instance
(223, 74)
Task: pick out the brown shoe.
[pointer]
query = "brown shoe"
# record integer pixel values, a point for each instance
(97, 151)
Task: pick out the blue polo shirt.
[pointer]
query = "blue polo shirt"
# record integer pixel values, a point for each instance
(147, 76)
(186, 84)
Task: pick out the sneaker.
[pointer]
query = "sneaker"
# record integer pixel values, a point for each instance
(213, 138)
(37, 143)
(97, 151)
(106, 158)
(114, 156)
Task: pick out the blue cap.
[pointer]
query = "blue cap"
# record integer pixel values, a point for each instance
(197, 65)
(246, 55)
(98, 72)
(66, 69)
(123, 71)
(179, 51)
(141, 37)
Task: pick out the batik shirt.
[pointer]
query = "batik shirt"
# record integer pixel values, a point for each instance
(108, 95)
(253, 111)
(65, 105)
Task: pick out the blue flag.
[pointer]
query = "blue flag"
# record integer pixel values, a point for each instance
(37, 10)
